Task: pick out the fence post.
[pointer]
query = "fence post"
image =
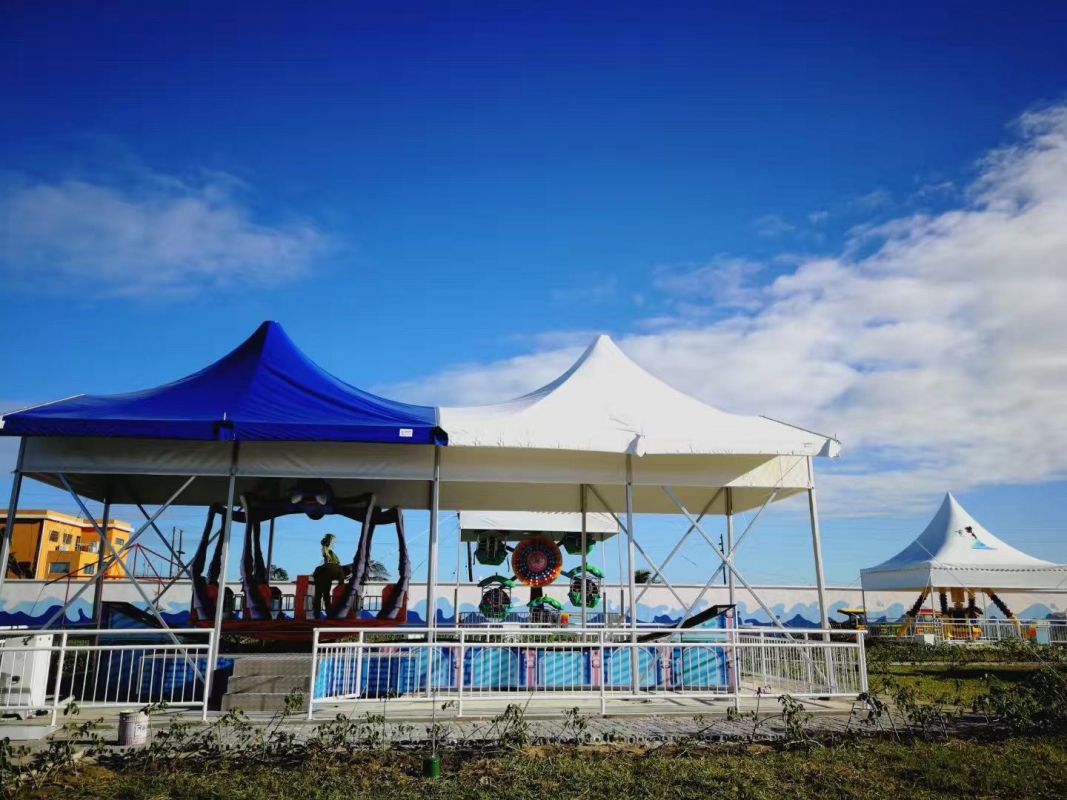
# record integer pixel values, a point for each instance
(359, 666)
(603, 677)
(314, 671)
(207, 675)
(861, 643)
(459, 672)
(59, 675)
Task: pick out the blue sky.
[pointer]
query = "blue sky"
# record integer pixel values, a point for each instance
(846, 217)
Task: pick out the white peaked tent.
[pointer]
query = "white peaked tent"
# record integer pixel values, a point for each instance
(603, 414)
(606, 403)
(948, 555)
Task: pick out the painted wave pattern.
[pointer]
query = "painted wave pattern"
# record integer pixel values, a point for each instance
(796, 615)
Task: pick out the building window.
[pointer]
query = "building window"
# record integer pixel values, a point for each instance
(90, 569)
(53, 536)
(59, 568)
(120, 542)
(68, 538)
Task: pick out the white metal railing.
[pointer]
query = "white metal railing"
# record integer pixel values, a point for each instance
(42, 671)
(944, 629)
(591, 663)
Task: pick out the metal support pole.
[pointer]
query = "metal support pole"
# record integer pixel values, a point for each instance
(220, 602)
(730, 550)
(732, 598)
(270, 550)
(12, 513)
(816, 544)
(98, 592)
(585, 535)
(459, 566)
(431, 560)
(630, 561)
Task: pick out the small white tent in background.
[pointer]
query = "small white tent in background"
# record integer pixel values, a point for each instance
(956, 551)
(957, 557)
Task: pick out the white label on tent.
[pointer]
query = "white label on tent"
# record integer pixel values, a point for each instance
(406, 433)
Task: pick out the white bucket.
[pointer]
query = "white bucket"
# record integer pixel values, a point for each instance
(133, 728)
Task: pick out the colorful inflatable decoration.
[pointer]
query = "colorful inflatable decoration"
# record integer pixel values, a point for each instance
(496, 597)
(537, 561)
(594, 581)
(546, 611)
(492, 549)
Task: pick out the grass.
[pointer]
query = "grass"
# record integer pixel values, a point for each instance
(962, 683)
(1019, 768)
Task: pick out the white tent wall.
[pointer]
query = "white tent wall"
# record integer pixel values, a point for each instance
(596, 524)
(503, 479)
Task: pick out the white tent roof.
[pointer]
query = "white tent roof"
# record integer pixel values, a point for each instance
(956, 551)
(606, 403)
(598, 526)
(530, 454)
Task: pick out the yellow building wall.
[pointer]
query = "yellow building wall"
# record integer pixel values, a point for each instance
(65, 539)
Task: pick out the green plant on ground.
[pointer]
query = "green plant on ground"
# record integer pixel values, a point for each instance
(575, 725)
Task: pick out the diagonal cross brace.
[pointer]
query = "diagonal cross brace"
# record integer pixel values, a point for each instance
(640, 549)
(107, 565)
(677, 547)
(730, 557)
(133, 578)
(727, 563)
(182, 567)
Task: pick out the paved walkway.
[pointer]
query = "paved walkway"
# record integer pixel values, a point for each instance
(633, 721)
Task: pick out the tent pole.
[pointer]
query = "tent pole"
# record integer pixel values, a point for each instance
(459, 565)
(581, 501)
(630, 562)
(431, 578)
(220, 603)
(730, 552)
(816, 544)
(12, 513)
(270, 549)
(606, 599)
(98, 593)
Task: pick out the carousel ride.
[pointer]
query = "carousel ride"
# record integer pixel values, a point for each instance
(261, 614)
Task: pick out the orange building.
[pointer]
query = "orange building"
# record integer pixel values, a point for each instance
(49, 545)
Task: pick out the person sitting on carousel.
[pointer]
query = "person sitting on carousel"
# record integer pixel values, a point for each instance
(325, 575)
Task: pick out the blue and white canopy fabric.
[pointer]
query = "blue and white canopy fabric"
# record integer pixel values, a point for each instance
(265, 390)
(956, 551)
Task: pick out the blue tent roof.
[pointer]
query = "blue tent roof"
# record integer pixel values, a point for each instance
(265, 390)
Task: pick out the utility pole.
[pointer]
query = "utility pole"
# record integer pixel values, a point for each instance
(175, 533)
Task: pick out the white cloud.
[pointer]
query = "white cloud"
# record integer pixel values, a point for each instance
(872, 201)
(726, 282)
(772, 226)
(937, 350)
(149, 236)
(818, 217)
